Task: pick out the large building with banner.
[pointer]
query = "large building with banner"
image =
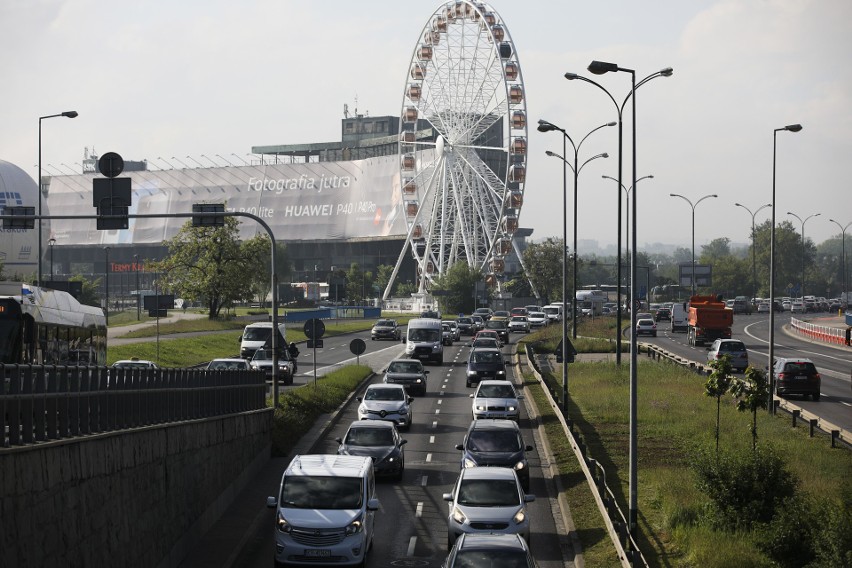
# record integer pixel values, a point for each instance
(332, 204)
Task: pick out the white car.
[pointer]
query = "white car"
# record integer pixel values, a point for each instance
(647, 326)
(386, 402)
(763, 308)
(496, 399)
(487, 500)
(537, 319)
(134, 363)
(519, 324)
(455, 327)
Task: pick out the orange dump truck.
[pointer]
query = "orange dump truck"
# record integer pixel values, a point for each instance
(709, 319)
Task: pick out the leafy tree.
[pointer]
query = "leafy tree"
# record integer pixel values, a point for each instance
(753, 394)
(457, 288)
(357, 282)
(383, 275)
(544, 267)
(717, 386)
(716, 249)
(208, 264)
(91, 295)
(519, 286)
(788, 256)
(257, 250)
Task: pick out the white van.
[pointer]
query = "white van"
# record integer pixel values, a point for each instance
(553, 312)
(325, 510)
(423, 340)
(255, 336)
(680, 317)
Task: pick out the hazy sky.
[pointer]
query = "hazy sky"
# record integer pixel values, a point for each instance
(161, 79)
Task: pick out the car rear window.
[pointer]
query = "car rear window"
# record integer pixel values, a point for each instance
(732, 346)
(800, 368)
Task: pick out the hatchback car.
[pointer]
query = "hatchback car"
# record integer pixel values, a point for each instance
(646, 326)
(487, 500)
(489, 333)
(134, 363)
(796, 376)
(496, 399)
(537, 319)
(484, 342)
(378, 439)
(484, 313)
(466, 326)
(519, 324)
(503, 550)
(455, 327)
(663, 313)
(386, 402)
(484, 364)
(385, 329)
(496, 443)
(500, 326)
(237, 364)
(408, 373)
(518, 312)
(734, 348)
(478, 322)
(262, 361)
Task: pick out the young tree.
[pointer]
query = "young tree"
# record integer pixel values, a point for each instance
(544, 267)
(752, 393)
(457, 287)
(718, 383)
(91, 295)
(257, 254)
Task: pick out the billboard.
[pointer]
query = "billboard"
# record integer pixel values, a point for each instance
(300, 202)
(703, 275)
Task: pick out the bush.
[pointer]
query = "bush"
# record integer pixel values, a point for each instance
(788, 537)
(744, 487)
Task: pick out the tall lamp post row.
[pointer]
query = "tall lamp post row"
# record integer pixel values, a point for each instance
(693, 206)
(843, 258)
(627, 191)
(66, 114)
(802, 289)
(788, 128)
(753, 246)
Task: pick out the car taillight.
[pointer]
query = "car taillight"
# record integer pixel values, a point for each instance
(784, 375)
(816, 377)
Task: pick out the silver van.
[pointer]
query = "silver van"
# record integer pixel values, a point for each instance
(325, 510)
(258, 336)
(424, 340)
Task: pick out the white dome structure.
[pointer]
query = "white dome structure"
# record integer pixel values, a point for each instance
(19, 247)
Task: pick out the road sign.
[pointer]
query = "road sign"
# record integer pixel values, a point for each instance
(357, 346)
(315, 344)
(111, 165)
(314, 329)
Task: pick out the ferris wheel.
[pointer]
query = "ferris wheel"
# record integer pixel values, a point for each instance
(462, 144)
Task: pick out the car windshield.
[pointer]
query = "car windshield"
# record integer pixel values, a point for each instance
(384, 323)
(321, 492)
(423, 335)
(405, 367)
(384, 394)
(369, 437)
(485, 342)
(257, 333)
(493, 441)
(464, 320)
(486, 357)
(495, 391)
(488, 493)
(226, 365)
(499, 324)
(497, 558)
(262, 355)
(132, 365)
(519, 318)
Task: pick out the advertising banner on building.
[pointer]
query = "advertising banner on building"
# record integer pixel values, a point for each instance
(302, 201)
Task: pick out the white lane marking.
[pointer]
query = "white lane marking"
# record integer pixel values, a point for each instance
(440, 401)
(411, 543)
(437, 411)
(428, 458)
(435, 424)
(443, 386)
(843, 402)
(419, 511)
(431, 439)
(424, 480)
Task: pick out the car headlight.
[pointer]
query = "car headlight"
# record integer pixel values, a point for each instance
(282, 524)
(471, 373)
(458, 516)
(512, 408)
(362, 410)
(402, 411)
(481, 407)
(468, 463)
(499, 373)
(355, 527)
(418, 381)
(519, 517)
(520, 465)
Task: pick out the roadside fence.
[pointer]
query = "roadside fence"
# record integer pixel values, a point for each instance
(822, 333)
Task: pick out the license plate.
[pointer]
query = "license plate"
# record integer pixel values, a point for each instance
(801, 377)
(317, 553)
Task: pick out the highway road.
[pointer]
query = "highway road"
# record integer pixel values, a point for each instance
(411, 525)
(833, 362)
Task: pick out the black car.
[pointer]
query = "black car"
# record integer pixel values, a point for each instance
(385, 329)
(797, 376)
(378, 439)
(501, 327)
(466, 326)
(484, 364)
(408, 373)
(496, 443)
(663, 314)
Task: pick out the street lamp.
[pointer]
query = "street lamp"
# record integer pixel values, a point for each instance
(753, 247)
(138, 292)
(50, 242)
(627, 191)
(66, 114)
(803, 249)
(544, 126)
(599, 68)
(789, 128)
(106, 279)
(693, 229)
(843, 260)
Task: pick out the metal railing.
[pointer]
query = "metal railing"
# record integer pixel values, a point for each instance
(40, 403)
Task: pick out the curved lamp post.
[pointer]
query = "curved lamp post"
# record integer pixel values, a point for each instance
(50, 242)
(66, 114)
(789, 128)
(803, 248)
(598, 68)
(627, 191)
(753, 247)
(544, 126)
(693, 206)
(843, 259)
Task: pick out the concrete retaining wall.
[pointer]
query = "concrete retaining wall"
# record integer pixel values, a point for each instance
(130, 498)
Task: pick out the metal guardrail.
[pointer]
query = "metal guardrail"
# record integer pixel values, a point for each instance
(821, 333)
(616, 521)
(797, 412)
(41, 403)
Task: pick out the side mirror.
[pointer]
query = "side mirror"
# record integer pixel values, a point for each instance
(470, 396)
(459, 447)
(403, 339)
(410, 399)
(529, 498)
(448, 497)
(427, 372)
(271, 502)
(403, 442)
(529, 448)
(339, 440)
(521, 397)
(359, 399)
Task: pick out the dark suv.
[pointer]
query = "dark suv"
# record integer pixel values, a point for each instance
(484, 364)
(663, 314)
(385, 329)
(496, 443)
(796, 376)
(501, 327)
